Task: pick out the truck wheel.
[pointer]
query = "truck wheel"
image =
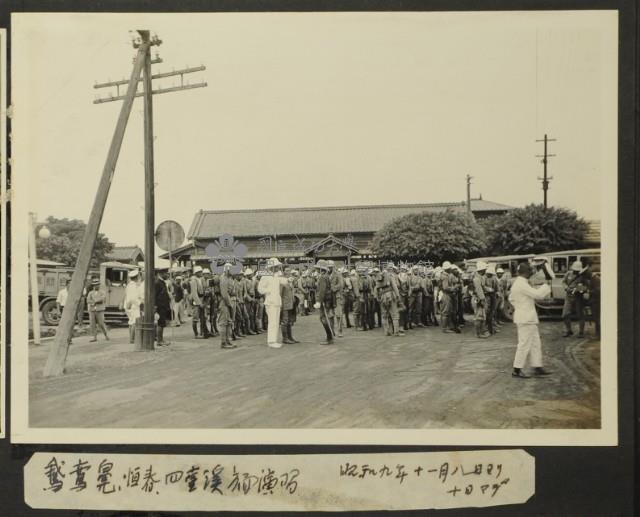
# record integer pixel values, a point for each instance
(50, 313)
(507, 311)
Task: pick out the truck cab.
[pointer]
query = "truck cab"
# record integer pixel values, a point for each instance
(113, 279)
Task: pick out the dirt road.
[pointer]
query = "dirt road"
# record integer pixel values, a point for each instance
(425, 380)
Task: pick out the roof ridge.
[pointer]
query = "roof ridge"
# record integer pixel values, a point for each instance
(343, 207)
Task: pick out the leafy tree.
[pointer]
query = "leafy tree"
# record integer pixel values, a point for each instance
(533, 229)
(63, 245)
(435, 236)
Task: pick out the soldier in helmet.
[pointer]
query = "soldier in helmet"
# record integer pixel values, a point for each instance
(577, 286)
(447, 307)
(428, 300)
(287, 308)
(325, 300)
(226, 307)
(250, 301)
(459, 316)
(389, 296)
(337, 289)
(403, 303)
(366, 288)
(491, 293)
(196, 292)
(347, 296)
(260, 316)
(415, 298)
(455, 286)
(376, 308)
(238, 319)
(503, 287)
(356, 290)
(206, 300)
(479, 300)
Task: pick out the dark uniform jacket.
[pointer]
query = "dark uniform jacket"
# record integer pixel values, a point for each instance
(324, 294)
(286, 294)
(227, 290)
(163, 301)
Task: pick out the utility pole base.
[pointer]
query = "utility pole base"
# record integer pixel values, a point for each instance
(145, 336)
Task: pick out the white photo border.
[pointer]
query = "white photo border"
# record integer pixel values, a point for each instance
(607, 435)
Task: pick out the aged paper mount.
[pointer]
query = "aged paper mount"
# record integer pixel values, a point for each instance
(306, 482)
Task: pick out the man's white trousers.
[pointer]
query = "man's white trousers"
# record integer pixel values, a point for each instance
(529, 345)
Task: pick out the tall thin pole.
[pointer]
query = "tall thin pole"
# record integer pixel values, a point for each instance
(545, 181)
(148, 333)
(59, 350)
(33, 271)
(469, 194)
(545, 159)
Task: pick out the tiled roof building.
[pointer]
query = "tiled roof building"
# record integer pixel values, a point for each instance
(298, 234)
(126, 254)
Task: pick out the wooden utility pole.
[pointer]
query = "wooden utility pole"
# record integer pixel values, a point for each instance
(148, 320)
(469, 178)
(58, 354)
(545, 158)
(59, 350)
(33, 277)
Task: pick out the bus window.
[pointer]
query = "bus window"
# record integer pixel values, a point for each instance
(560, 265)
(593, 261)
(115, 277)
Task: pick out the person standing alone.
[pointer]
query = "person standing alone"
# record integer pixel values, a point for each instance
(523, 298)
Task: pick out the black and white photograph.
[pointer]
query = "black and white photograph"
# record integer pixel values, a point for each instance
(355, 228)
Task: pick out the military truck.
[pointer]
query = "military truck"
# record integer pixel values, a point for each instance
(113, 279)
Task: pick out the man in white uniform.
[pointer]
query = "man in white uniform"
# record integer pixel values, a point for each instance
(523, 297)
(269, 287)
(133, 298)
(63, 294)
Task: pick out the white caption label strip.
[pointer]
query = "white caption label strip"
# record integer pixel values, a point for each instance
(325, 482)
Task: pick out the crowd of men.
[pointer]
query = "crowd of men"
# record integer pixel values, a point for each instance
(395, 298)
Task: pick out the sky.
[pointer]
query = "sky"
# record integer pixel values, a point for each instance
(318, 109)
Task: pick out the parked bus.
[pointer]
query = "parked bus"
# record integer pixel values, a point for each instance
(507, 262)
(560, 262)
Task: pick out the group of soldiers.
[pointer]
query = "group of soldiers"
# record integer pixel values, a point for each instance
(399, 298)
(396, 298)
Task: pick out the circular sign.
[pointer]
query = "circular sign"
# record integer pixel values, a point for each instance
(169, 235)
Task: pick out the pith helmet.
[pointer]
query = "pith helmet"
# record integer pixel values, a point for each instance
(577, 266)
(481, 266)
(273, 262)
